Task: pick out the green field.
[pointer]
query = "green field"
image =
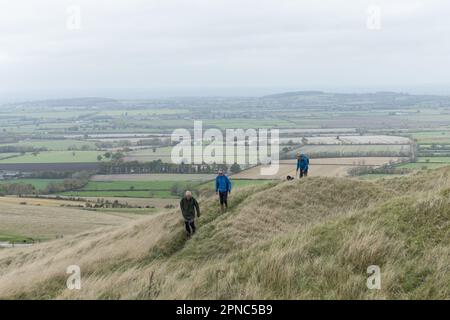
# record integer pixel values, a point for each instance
(422, 165)
(426, 163)
(39, 184)
(145, 155)
(249, 123)
(434, 159)
(53, 145)
(8, 155)
(174, 177)
(56, 157)
(352, 148)
(432, 137)
(142, 112)
(13, 238)
(147, 189)
(131, 189)
(163, 194)
(129, 185)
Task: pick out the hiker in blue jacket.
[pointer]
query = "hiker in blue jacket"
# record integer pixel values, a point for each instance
(223, 188)
(302, 165)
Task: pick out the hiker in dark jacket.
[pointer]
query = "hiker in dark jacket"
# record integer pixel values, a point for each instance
(302, 165)
(223, 188)
(189, 206)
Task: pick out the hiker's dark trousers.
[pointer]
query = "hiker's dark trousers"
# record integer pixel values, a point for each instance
(223, 196)
(190, 226)
(303, 173)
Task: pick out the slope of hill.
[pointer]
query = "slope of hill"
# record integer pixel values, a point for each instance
(70, 102)
(308, 239)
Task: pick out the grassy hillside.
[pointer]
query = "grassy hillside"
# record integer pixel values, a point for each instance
(308, 239)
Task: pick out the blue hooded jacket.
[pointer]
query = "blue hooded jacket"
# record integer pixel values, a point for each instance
(303, 162)
(223, 184)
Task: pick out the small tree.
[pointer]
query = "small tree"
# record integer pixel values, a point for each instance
(235, 168)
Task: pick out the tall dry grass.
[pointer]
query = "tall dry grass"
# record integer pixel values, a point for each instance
(309, 239)
(48, 221)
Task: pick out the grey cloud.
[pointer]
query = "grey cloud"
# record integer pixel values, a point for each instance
(175, 44)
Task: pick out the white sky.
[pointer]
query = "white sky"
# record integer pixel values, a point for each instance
(221, 47)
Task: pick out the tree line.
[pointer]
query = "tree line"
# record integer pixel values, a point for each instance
(157, 166)
(20, 149)
(77, 181)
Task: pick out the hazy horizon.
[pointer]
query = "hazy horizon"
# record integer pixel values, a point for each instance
(149, 94)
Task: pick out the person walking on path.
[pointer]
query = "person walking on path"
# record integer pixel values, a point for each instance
(223, 189)
(189, 206)
(302, 165)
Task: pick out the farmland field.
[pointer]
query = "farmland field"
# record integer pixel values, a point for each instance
(55, 157)
(39, 184)
(426, 163)
(347, 139)
(423, 165)
(142, 112)
(346, 148)
(38, 222)
(162, 154)
(135, 189)
(432, 137)
(434, 159)
(151, 186)
(130, 185)
(162, 194)
(38, 202)
(153, 177)
(150, 189)
(157, 203)
(324, 167)
(8, 155)
(156, 189)
(289, 169)
(60, 200)
(54, 145)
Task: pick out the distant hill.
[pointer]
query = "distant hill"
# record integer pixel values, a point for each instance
(334, 94)
(380, 100)
(294, 94)
(73, 102)
(308, 239)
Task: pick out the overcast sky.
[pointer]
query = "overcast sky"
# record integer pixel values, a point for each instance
(221, 47)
